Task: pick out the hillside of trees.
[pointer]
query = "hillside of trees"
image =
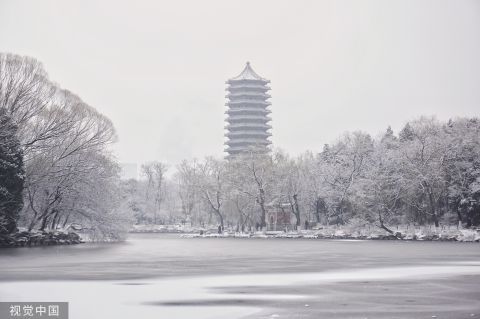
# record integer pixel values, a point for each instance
(56, 169)
(427, 174)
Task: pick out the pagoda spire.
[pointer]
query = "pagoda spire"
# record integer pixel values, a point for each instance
(248, 74)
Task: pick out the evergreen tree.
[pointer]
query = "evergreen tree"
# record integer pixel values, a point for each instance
(406, 134)
(11, 175)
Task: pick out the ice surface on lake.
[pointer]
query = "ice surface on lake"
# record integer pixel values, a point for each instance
(166, 276)
(196, 297)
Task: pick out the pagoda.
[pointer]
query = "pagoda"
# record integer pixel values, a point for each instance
(247, 114)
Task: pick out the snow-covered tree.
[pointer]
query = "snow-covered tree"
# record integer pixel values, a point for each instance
(289, 186)
(462, 169)
(70, 173)
(343, 164)
(423, 156)
(11, 174)
(382, 187)
(211, 185)
(155, 191)
(252, 174)
(187, 190)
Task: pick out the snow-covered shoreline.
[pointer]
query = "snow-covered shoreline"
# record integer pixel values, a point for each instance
(464, 235)
(423, 233)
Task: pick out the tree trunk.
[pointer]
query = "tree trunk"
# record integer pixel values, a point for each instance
(296, 210)
(33, 222)
(263, 213)
(220, 218)
(433, 211)
(65, 221)
(55, 220)
(432, 203)
(340, 214)
(317, 210)
(382, 225)
(44, 222)
(459, 216)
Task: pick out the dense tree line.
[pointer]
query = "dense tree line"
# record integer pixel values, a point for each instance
(56, 171)
(56, 166)
(428, 174)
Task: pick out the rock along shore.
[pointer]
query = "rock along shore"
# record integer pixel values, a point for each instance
(29, 239)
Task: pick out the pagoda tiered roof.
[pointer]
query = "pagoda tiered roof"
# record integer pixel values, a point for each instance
(261, 103)
(250, 117)
(248, 110)
(248, 141)
(249, 86)
(255, 125)
(256, 94)
(247, 113)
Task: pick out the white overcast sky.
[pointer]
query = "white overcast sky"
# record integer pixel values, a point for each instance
(158, 68)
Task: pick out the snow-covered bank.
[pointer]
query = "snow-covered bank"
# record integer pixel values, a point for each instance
(39, 238)
(423, 233)
(419, 234)
(168, 229)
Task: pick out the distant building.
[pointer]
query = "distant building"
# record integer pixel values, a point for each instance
(129, 171)
(278, 217)
(247, 115)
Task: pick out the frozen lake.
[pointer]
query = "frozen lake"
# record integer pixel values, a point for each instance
(164, 276)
